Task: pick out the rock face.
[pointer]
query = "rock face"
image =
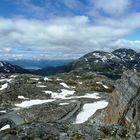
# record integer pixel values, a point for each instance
(128, 91)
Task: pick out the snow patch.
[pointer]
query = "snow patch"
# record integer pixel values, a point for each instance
(88, 110)
(80, 83)
(64, 104)
(6, 80)
(88, 95)
(41, 86)
(1, 64)
(4, 86)
(13, 76)
(86, 59)
(36, 79)
(99, 83)
(5, 127)
(58, 79)
(47, 79)
(64, 85)
(26, 104)
(3, 111)
(105, 86)
(22, 97)
(62, 95)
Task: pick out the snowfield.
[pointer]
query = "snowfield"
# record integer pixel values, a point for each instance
(62, 95)
(65, 93)
(26, 104)
(88, 110)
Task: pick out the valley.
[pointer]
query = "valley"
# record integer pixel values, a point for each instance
(70, 105)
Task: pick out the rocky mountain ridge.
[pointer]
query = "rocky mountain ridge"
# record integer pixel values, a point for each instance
(6, 67)
(110, 64)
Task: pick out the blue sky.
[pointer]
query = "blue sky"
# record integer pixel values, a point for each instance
(62, 29)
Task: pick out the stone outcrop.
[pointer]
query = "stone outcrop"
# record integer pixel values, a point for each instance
(58, 131)
(128, 91)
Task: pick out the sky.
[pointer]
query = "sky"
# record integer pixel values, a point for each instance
(67, 29)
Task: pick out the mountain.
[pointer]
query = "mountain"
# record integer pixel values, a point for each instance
(98, 61)
(6, 67)
(130, 59)
(110, 64)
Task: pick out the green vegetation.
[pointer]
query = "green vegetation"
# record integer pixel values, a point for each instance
(10, 131)
(77, 136)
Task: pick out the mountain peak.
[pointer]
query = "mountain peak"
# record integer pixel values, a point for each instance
(124, 51)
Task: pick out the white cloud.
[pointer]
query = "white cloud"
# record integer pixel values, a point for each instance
(131, 21)
(122, 43)
(7, 49)
(111, 7)
(68, 37)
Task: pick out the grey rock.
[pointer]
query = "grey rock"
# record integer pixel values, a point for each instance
(128, 90)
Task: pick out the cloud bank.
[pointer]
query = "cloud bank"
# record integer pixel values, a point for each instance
(102, 26)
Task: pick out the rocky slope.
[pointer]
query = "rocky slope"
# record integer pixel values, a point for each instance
(110, 64)
(6, 67)
(69, 106)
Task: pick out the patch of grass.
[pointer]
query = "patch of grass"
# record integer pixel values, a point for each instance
(138, 74)
(71, 83)
(10, 131)
(124, 135)
(106, 132)
(49, 138)
(77, 136)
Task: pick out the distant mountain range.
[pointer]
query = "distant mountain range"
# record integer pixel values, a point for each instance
(111, 64)
(8, 68)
